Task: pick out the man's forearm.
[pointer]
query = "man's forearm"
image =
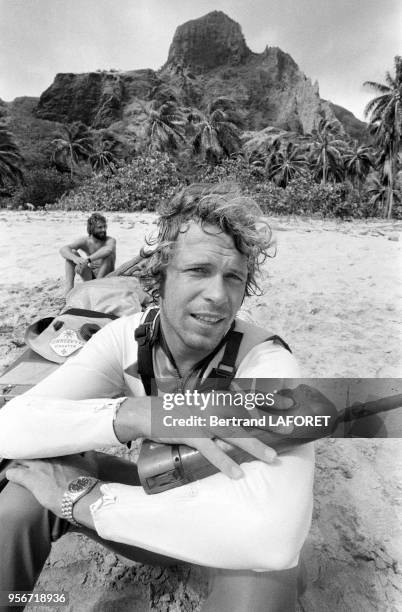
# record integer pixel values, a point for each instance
(70, 254)
(132, 419)
(38, 427)
(102, 253)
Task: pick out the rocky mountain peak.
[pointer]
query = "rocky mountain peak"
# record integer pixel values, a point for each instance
(208, 42)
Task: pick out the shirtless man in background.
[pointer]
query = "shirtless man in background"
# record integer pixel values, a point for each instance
(98, 255)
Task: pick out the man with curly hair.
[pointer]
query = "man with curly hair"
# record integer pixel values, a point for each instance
(248, 522)
(92, 256)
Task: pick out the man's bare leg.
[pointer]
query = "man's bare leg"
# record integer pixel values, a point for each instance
(71, 270)
(70, 275)
(106, 267)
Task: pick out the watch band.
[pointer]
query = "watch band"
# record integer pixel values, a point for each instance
(67, 510)
(76, 489)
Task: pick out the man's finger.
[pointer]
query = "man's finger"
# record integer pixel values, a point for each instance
(255, 448)
(211, 451)
(20, 475)
(283, 400)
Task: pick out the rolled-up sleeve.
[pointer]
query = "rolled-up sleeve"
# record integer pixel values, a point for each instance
(55, 427)
(59, 415)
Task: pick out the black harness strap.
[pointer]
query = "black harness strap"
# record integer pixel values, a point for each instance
(145, 336)
(219, 378)
(226, 368)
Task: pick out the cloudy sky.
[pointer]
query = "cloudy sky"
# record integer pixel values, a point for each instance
(340, 43)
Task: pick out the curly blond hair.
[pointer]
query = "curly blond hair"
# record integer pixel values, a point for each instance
(220, 205)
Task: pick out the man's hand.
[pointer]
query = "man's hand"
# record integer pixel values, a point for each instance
(81, 264)
(48, 479)
(212, 442)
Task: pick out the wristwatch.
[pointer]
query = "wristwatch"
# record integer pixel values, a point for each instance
(76, 489)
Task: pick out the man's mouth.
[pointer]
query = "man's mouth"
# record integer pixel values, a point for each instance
(207, 318)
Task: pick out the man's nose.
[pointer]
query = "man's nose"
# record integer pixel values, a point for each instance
(215, 289)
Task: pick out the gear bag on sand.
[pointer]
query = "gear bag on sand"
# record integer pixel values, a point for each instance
(89, 307)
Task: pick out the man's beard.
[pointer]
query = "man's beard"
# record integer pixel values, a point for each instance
(99, 235)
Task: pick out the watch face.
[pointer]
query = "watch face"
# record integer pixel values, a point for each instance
(77, 485)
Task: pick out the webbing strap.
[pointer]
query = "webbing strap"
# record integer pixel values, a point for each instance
(94, 314)
(143, 335)
(226, 368)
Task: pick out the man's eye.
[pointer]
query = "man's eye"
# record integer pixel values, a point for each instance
(236, 278)
(197, 270)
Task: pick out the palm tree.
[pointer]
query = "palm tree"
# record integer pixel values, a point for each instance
(10, 159)
(218, 131)
(164, 93)
(164, 129)
(326, 150)
(286, 164)
(378, 190)
(385, 113)
(105, 153)
(358, 162)
(72, 145)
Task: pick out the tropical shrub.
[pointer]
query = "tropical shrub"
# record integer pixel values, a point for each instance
(302, 196)
(42, 186)
(140, 184)
(11, 160)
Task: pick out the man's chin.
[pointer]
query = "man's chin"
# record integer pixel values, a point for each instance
(206, 341)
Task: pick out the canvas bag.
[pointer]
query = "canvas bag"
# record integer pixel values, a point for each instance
(89, 307)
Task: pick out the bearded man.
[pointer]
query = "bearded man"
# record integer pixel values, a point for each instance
(92, 256)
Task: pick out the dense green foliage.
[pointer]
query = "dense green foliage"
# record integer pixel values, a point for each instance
(10, 160)
(42, 187)
(137, 185)
(302, 195)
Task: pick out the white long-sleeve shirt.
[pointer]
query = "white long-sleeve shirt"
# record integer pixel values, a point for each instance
(257, 522)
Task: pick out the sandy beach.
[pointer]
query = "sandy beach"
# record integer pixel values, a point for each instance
(333, 292)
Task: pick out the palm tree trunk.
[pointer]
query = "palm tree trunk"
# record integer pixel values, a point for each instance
(324, 170)
(390, 192)
(390, 202)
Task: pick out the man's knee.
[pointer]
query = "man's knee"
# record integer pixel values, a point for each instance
(18, 508)
(106, 267)
(21, 513)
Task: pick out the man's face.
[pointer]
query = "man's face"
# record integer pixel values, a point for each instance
(99, 230)
(203, 289)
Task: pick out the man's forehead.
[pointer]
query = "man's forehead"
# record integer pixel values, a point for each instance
(194, 233)
(195, 241)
